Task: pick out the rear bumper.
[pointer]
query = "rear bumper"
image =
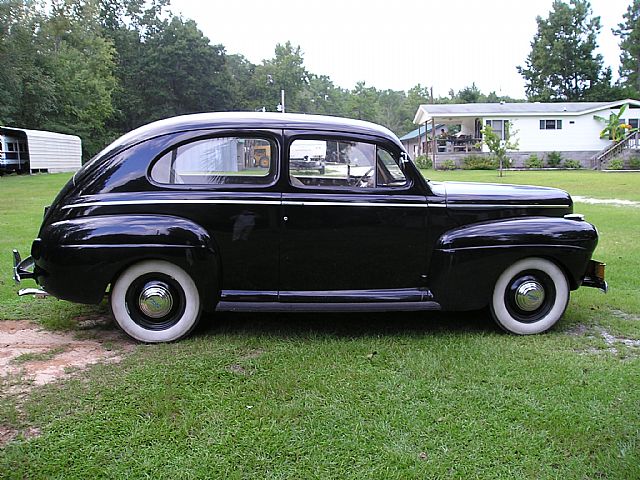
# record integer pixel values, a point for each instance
(23, 269)
(595, 276)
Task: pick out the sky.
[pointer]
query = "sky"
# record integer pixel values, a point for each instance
(396, 44)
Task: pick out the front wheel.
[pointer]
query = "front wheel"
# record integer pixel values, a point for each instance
(530, 296)
(155, 301)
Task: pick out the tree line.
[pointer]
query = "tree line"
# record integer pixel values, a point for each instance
(99, 68)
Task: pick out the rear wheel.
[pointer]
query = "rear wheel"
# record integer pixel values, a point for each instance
(530, 296)
(155, 301)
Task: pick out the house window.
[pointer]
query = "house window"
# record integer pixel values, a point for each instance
(499, 127)
(633, 122)
(550, 124)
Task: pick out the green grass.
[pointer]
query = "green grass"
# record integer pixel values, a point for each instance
(403, 395)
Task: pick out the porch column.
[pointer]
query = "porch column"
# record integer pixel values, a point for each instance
(434, 145)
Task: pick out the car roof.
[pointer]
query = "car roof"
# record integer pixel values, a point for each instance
(247, 120)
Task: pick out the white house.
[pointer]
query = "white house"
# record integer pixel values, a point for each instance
(569, 127)
(46, 151)
(415, 142)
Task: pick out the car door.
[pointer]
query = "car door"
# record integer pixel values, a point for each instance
(226, 182)
(352, 220)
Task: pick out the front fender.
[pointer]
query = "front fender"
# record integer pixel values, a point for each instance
(467, 261)
(76, 259)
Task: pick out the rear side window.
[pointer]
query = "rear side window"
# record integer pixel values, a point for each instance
(218, 161)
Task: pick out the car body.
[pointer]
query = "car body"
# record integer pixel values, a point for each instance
(176, 217)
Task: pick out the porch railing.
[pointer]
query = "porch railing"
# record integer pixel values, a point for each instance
(632, 140)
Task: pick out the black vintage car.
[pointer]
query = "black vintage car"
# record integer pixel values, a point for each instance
(176, 217)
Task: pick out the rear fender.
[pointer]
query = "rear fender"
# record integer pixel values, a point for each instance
(76, 259)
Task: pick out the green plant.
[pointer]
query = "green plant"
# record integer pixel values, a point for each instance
(570, 163)
(423, 162)
(533, 161)
(615, 164)
(447, 165)
(499, 146)
(615, 130)
(554, 159)
(634, 163)
(479, 162)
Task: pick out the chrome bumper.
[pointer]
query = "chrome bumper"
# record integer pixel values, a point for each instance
(595, 276)
(23, 269)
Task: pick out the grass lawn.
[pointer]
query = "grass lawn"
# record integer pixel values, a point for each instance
(408, 395)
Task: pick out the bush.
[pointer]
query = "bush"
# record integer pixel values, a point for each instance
(634, 163)
(422, 162)
(533, 162)
(572, 164)
(615, 164)
(554, 159)
(479, 162)
(447, 165)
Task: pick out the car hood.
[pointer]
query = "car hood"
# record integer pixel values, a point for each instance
(469, 193)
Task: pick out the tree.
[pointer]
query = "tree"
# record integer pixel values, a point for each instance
(629, 33)
(499, 146)
(562, 65)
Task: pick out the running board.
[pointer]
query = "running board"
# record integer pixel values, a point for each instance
(225, 306)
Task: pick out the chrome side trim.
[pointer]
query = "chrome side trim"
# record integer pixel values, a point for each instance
(354, 204)
(109, 203)
(490, 206)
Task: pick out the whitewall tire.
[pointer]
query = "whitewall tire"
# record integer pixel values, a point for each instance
(530, 296)
(155, 301)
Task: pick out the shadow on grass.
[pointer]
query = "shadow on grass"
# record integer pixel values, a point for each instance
(347, 325)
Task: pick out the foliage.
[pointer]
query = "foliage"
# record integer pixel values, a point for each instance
(423, 162)
(554, 159)
(574, 164)
(634, 163)
(615, 164)
(614, 130)
(479, 162)
(629, 33)
(498, 146)
(533, 161)
(447, 165)
(561, 65)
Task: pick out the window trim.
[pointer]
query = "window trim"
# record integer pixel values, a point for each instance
(255, 134)
(544, 123)
(328, 188)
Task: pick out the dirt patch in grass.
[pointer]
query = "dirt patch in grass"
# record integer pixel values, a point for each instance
(615, 345)
(32, 356)
(606, 201)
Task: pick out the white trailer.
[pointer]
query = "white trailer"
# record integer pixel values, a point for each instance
(45, 151)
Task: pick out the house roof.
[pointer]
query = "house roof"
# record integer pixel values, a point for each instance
(418, 131)
(427, 112)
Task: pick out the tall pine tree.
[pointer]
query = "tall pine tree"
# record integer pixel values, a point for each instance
(562, 65)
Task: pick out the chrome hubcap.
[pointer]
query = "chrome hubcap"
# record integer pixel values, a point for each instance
(155, 300)
(529, 296)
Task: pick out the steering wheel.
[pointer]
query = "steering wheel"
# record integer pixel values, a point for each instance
(360, 181)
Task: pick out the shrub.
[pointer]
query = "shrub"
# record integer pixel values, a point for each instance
(533, 162)
(634, 163)
(615, 164)
(572, 164)
(554, 159)
(422, 162)
(447, 165)
(479, 162)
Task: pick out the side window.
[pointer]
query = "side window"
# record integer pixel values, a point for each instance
(389, 173)
(218, 161)
(342, 163)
